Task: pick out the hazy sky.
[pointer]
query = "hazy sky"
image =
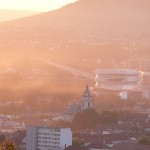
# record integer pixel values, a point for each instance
(35, 5)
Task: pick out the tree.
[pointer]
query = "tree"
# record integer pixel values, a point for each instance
(108, 117)
(77, 142)
(86, 119)
(144, 140)
(8, 145)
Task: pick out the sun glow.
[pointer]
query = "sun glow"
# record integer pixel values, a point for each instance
(35, 5)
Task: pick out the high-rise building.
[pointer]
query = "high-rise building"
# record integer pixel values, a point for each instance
(144, 67)
(46, 138)
(145, 84)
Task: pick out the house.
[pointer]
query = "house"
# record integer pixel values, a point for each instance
(76, 148)
(130, 146)
(19, 138)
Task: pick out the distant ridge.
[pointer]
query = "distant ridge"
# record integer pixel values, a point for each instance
(6, 15)
(111, 15)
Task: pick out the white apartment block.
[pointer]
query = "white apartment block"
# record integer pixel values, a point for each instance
(45, 138)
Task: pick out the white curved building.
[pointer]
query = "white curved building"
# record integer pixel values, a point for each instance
(117, 79)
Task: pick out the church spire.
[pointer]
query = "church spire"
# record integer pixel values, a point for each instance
(86, 99)
(87, 88)
(86, 93)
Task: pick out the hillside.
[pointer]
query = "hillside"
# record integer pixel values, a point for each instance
(116, 16)
(87, 34)
(82, 34)
(7, 15)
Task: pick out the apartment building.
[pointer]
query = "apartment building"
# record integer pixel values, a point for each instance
(145, 77)
(46, 138)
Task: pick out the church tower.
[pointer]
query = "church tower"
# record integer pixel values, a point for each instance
(86, 99)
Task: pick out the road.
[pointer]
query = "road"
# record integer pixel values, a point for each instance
(74, 71)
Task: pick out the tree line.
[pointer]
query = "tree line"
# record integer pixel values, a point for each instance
(89, 118)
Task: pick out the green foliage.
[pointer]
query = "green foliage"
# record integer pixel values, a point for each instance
(8, 145)
(89, 118)
(77, 142)
(144, 140)
(108, 117)
(86, 119)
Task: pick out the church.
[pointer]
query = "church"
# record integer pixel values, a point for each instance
(86, 103)
(86, 99)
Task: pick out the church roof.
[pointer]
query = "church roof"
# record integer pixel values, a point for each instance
(73, 108)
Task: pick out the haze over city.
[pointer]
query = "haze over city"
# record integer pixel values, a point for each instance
(75, 74)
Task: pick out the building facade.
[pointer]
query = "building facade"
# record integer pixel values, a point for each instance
(45, 138)
(145, 84)
(145, 77)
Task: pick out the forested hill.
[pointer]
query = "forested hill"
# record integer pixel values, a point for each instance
(100, 15)
(7, 15)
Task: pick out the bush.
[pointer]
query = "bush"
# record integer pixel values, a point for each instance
(144, 140)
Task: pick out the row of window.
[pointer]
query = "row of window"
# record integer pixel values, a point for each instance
(49, 138)
(49, 142)
(46, 146)
(48, 134)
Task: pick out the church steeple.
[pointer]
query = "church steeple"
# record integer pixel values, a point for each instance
(86, 93)
(86, 99)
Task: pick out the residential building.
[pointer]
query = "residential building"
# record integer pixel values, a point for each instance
(19, 138)
(131, 146)
(145, 84)
(144, 67)
(76, 148)
(65, 117)
(46, 138)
